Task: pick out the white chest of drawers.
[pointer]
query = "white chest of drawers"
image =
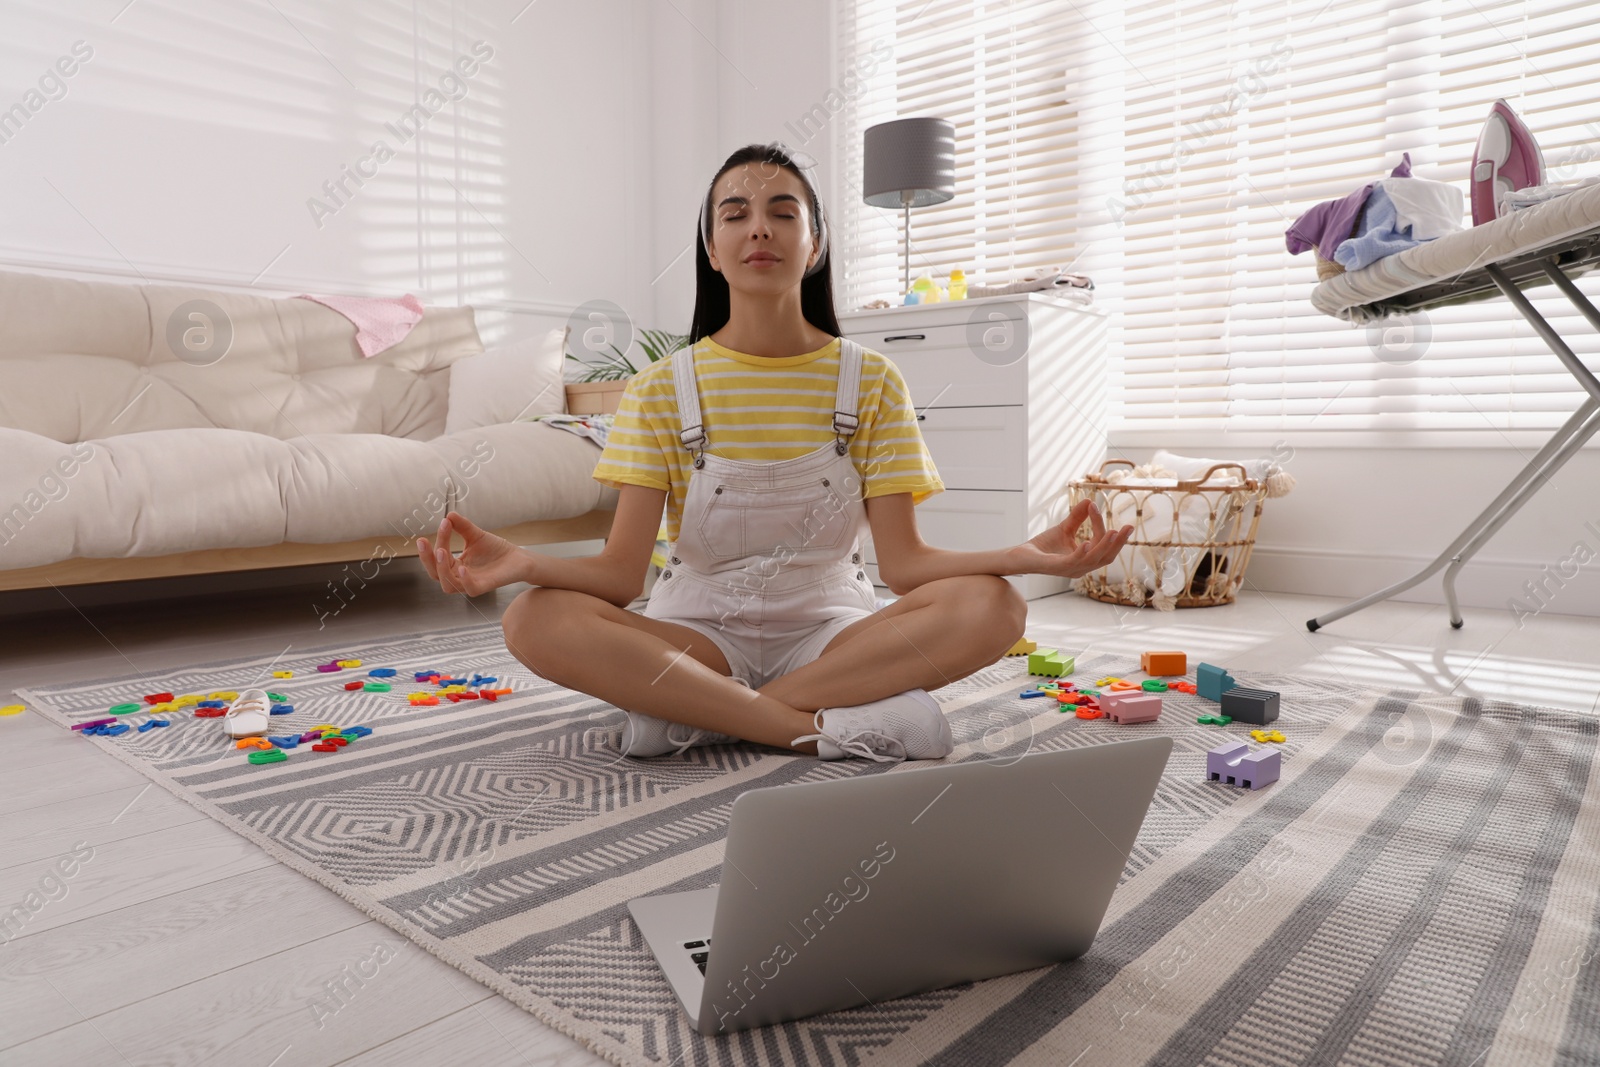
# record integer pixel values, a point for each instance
(1011, 397)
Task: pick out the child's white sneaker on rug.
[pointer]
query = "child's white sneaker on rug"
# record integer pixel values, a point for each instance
(248, 715)
(908, 725)
(645, 735)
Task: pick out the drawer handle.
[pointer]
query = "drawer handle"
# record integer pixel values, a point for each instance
(906, 337)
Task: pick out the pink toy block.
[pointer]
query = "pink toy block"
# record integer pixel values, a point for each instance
(1235, 764)
(1134, 706)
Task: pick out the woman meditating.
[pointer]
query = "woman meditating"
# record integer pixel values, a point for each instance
(775, 445)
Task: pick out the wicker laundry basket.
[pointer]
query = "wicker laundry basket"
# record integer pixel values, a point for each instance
(1191, 539)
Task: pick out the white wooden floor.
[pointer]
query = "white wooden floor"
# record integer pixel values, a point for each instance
(179, 943)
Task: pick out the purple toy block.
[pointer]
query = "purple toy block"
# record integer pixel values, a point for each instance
(1235, 764)
(1131, 706)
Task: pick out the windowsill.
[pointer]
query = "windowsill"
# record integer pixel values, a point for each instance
(1389, 440)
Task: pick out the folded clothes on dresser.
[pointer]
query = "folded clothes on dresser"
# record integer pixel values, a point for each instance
(1054, 279)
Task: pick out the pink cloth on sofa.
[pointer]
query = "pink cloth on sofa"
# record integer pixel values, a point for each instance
(381, 321)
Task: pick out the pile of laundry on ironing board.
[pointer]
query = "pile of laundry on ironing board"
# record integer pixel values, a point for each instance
(1379, 219)
(1383, 255)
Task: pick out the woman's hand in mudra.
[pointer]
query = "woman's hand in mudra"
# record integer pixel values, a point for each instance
(1057, 551)
(488, 562)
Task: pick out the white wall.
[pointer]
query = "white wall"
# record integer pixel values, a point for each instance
(188, 146)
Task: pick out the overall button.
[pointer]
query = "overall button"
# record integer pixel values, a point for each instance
(667, 573)
(855, 557)
(675, 559)
(861, 574)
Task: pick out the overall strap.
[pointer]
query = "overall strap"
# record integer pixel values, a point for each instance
(693, 432)
(847, 399)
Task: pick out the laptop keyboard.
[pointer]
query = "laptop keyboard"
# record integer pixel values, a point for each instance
(699, 951)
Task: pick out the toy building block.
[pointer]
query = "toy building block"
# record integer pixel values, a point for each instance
(1213, 720)
(1124, 708)
(1263, 736)
(1153, 685)
(1254, 706)
(1164, 663)
(1235, 764)
(1212, 682)
(1048, 661)
(1183, 687)
(1022, 647)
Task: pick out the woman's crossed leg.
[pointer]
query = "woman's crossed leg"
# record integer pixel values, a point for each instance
(934, 635)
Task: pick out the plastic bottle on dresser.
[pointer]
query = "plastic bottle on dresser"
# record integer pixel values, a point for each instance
(958, 284)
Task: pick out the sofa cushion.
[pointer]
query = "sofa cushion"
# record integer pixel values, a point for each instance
(501, 384)
(161, 492)
(83, 360)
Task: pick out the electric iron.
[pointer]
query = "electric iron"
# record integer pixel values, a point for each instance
(1506, 158)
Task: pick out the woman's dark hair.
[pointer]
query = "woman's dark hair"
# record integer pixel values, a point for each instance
(711, 301)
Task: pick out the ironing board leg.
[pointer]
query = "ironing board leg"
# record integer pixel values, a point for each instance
(1567, 441)
(1573, 433)
(1529, 474)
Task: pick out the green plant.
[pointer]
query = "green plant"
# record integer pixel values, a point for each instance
(657, 344)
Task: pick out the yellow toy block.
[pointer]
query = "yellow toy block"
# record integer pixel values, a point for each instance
(283, 674)
(1107, 680)
(1023, 647)
(1263, 736)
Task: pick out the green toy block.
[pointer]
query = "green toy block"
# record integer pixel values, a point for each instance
(1153, 685)
(277, 698)
(377, 687)
(1214, 720)
(1050, 662)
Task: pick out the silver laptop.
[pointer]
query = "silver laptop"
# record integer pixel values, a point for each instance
(841, 893)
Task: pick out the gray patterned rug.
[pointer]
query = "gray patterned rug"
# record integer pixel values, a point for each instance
(1421, 887)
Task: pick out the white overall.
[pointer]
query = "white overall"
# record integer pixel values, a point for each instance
(767, 563)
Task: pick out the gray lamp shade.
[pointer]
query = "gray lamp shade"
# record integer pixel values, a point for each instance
(916, 156)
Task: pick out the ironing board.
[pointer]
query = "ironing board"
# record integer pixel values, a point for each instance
(1553, 241)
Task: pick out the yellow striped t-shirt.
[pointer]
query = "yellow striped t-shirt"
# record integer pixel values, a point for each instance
(766, 408)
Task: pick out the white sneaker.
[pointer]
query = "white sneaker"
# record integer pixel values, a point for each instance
(908, 725)
(248, 715)
(645, 735)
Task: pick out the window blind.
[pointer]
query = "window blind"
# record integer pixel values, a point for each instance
(1000, 73)
(1163, 147)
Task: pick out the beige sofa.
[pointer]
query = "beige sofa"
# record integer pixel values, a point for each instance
(149, 431)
